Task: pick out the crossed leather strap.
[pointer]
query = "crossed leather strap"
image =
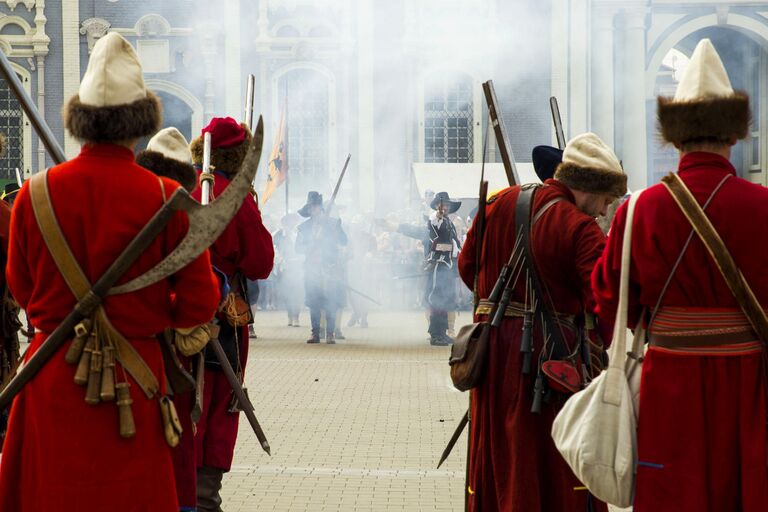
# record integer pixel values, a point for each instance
(78, 283)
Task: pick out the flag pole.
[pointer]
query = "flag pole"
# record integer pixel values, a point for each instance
(285, 142)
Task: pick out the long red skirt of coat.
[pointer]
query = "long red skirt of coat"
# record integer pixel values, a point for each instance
(71, 457)
(702, 434)
(514, 465)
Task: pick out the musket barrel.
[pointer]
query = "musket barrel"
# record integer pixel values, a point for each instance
(206, 177)
(41, 127)
(249, 101)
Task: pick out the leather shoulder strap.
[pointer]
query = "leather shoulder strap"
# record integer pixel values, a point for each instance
(54, 236)
(79, 284)
(719, 252)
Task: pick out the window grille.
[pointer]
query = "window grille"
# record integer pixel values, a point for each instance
(307, 105)
(12, 126)
(448, 123)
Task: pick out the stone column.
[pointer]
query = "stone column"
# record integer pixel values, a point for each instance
(41, 164)
(234, 78)
(70, 29)
(602, 87)
(366, 192)
(208, 50)
(633, 122)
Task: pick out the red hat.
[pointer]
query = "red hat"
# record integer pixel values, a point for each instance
(225, 132)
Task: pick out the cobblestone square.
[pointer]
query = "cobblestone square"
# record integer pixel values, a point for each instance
(355, 426)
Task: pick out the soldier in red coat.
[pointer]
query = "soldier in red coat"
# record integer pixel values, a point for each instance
(61, 453)
(514, 465)
(244, 251)
(702, 424)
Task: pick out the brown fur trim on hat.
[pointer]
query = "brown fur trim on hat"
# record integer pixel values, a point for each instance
(719, 118)
(593, 181)
(226, 160)
(168, 167)
(110, 124)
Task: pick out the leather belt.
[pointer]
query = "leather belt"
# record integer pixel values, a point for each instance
(517, 309)
(703, 340)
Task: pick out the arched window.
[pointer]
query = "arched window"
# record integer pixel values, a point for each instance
(448, 119)
(12, 126)
(307, 104)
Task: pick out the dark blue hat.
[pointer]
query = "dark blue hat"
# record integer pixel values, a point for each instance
(313, 198)
(545, 161)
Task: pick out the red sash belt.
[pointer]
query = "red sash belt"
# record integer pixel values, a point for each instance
(703, 331)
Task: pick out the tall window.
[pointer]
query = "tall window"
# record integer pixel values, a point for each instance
(12, 126)
(448, 119)
(307, 93)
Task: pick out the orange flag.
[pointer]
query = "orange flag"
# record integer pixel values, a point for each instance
(278, 161)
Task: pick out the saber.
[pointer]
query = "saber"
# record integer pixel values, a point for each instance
(513, 178)
(363, 295)
(39, 124)
(559, 133)
(454, 438)
(249, 102)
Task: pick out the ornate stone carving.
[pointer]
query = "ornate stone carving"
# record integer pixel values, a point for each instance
(152, 25)
(29, 4)
(94, 29)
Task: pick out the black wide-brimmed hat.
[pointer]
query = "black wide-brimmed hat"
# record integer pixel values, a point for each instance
(545, 161)
(443, 197)
(10, 190)
(313, 198)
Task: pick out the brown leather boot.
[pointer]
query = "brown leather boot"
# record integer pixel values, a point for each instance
(208, 487)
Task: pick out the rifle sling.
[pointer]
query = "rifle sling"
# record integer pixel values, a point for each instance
(719, 252)
(78, 283)
(523, 222)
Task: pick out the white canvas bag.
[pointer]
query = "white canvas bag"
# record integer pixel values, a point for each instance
(596, 429)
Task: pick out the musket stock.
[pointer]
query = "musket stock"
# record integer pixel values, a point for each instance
(513, 178)
(559, 133)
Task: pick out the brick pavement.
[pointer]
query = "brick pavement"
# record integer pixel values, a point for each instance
(355, 426)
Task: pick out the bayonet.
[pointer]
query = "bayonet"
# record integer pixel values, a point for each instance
(249, 102)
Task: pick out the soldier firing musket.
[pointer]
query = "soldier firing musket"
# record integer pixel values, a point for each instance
(320, 238)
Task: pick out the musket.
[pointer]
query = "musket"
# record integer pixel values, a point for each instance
(513, 178)
(249, 102)
(38, 123)
(247, 407)
(338, 185)
(559, 133)
(409, 276)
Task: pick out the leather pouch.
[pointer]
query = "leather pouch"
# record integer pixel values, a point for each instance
(468, 355)
(171, 424)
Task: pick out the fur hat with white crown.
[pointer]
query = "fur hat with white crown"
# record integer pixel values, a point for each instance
(168, 155)
(112, 103)
(589, 165)
(705, 107)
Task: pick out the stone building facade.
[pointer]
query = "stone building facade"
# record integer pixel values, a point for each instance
(393, 83)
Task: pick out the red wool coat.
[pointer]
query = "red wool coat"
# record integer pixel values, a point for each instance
(246, 247)
(514, 465)
(702, 431)
(62, 454)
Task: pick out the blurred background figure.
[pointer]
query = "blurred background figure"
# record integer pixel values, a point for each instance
(288, 272)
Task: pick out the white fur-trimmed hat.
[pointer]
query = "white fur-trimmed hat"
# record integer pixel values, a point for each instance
(170, 143)
(589, 165)
(168, 154)
(112, 103)
(705, 106)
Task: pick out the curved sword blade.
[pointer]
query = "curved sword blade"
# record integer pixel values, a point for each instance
(206, 223)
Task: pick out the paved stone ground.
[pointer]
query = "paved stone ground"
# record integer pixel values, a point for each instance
(355, 426)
